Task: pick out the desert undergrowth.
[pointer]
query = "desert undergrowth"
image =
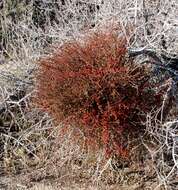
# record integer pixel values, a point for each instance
(33, 145)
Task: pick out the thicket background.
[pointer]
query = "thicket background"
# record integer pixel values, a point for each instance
(32, 150)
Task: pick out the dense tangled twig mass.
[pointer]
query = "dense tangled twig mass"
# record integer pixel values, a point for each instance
(93, 85)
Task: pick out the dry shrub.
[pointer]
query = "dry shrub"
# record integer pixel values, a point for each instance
(92, 85)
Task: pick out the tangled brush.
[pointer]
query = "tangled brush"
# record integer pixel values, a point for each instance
(93, 85)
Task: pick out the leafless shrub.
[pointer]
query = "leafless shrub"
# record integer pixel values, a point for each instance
(163, 149)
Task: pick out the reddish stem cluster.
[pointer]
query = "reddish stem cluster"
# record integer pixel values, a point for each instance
(94, 85)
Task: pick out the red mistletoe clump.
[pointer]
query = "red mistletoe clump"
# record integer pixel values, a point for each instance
(93, 85)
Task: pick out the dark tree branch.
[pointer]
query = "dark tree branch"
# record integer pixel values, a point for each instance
(167, 62)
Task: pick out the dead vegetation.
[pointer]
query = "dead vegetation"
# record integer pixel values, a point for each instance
(33, 150)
